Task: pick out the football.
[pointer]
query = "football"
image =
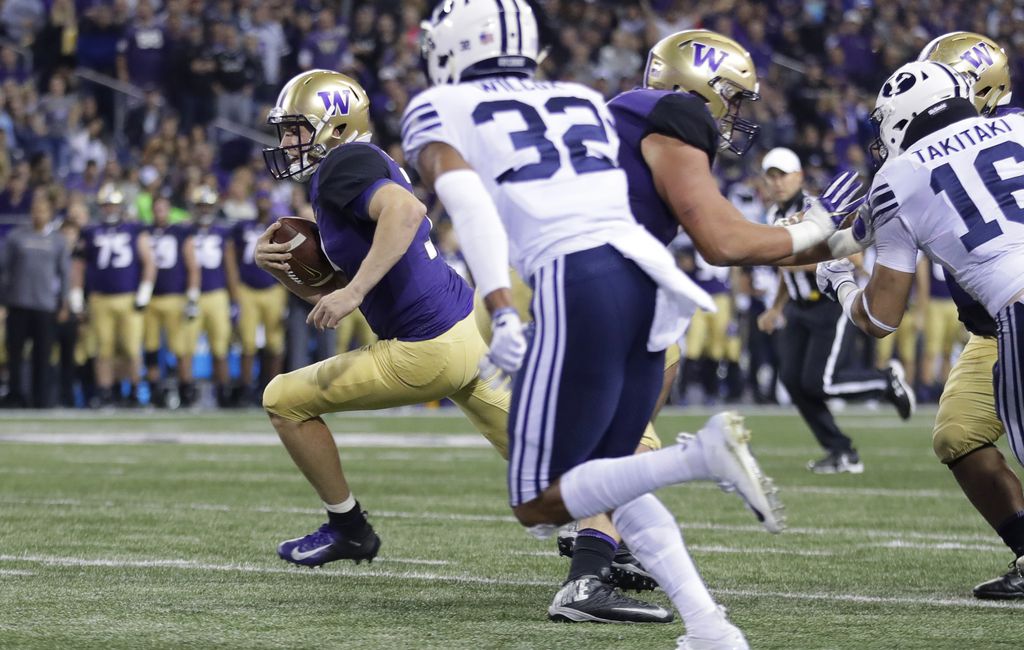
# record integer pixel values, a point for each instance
(311, 273)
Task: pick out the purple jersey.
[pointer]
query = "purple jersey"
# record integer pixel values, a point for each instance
(111, 257)
(209, 243)
(169, 255)
(244, 235)
(143, 49)
(639, 113)
(421, 297)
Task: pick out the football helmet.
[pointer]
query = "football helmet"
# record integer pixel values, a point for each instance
(980, 58)
(911, 90)
(715, 68)
(204, 204)
(467, 39)
(111, 202)
(332, 107)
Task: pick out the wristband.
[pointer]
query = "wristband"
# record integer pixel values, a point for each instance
(192, 294)
(805, 235)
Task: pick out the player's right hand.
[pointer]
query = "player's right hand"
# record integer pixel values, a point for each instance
(269, 255)
(769, 320)
(508, 345)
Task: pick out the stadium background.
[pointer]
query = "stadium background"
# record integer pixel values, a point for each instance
(159, 98)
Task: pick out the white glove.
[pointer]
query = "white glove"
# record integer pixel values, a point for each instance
(508, 345)
(831, 277)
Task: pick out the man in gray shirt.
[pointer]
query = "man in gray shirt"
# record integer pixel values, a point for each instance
(33, 285)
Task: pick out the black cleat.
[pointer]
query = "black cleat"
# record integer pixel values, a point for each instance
(898, 391)
(838, 462)
(591, 599)
(626, 571)
(328, 545)
(1009, 586)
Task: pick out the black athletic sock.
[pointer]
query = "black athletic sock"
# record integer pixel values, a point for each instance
(350, 524)
(1012, 532)
(592, 554)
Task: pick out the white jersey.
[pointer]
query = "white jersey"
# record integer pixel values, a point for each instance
(547, 153)
(958, 195)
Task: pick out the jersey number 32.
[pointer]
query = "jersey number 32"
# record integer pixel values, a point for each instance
(534, 136)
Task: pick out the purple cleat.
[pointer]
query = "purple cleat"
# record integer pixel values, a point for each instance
(327, 545)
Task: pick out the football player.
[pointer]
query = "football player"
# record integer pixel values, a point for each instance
(945, 167)
(967, 425)
(115, 260)
(261, 300)
(218, 288)
(375, 231)
(175, 300)
(942, 328)
(707, 340)
(505, 151)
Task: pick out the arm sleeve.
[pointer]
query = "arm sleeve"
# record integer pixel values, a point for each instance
(422, 124)
(685, 118)
(347, 172)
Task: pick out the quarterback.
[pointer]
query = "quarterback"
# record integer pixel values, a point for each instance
(945, 167)
(375, 231)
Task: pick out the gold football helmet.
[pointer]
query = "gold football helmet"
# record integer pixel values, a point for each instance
(981, 59)
(111, 202)
(715, 68)
(203, 200)
(315, 112)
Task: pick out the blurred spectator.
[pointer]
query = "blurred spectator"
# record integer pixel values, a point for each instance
(141, 53)
(22, 19)
(142, 122)
(325, 47)
(237, 73)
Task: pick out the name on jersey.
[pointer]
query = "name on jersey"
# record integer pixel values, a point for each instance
(960, 141)
(515, 83)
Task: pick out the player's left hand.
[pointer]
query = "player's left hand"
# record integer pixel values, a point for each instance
(832, 274)
(331, 308)
(843, 194)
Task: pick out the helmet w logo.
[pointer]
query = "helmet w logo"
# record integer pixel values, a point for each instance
(978, 56)
(336, 102)
(704, 54)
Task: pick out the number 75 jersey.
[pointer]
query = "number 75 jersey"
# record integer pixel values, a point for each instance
(546, 151)
(958, 195)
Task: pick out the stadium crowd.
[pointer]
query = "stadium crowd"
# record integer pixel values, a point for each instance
(161, 105)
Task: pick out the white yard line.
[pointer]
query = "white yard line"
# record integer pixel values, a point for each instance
(358, 439)
(16, 572)
(189, 565)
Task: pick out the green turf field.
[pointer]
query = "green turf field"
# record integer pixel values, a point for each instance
(118, 545)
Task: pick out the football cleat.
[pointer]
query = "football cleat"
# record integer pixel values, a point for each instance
(591, 599)
(838, 462)
(898, 391)
(626, 571)
(731, 639)
(327, 545)
(724, 442)
(1009, 586)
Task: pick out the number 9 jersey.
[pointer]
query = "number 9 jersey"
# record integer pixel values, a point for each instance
(958, 195)
(546, 151)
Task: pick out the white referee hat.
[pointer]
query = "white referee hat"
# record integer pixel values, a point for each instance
(783, 159)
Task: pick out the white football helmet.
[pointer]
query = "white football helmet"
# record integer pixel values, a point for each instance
(465, 39)
(911, 90)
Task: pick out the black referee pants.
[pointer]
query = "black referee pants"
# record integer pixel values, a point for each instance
(817, 361)
(24, 325)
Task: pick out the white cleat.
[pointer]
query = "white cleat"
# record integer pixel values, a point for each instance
(731, 639)
(723, 441)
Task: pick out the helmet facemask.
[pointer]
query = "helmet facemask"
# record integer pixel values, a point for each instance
(297, 161)
(738, 134)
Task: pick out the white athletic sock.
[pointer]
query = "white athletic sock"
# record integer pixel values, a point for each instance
(653, 536)
(602, 485)
(344, 506)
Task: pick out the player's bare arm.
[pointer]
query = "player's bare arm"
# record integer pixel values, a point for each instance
(231, 269)
(878, 308)
(398, 214)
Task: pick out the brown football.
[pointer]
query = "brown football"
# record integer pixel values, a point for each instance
(311, 273)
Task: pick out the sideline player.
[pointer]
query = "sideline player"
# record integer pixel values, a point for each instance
(503, 150)
(374, 230)
(945, 167)
(967, 425)
(261, 300)
(175, 299)
(115, 260)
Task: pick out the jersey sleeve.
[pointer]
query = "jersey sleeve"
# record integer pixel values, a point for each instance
(685, 118)
(895, 246)
(422, 125)
(348, 172)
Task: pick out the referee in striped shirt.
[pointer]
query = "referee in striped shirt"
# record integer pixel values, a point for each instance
(816, 342)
